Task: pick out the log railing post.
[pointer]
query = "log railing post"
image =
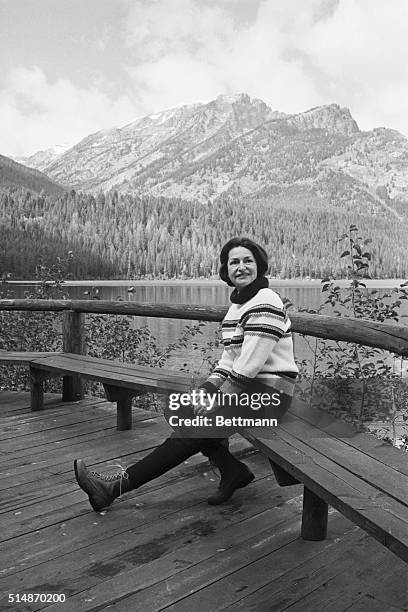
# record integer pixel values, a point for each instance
(73, 333)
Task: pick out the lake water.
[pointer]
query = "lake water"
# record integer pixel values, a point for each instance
(211, 294)
(303, 294)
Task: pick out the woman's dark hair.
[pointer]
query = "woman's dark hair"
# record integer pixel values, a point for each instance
(257, 251)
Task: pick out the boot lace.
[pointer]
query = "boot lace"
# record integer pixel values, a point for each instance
(121, 475)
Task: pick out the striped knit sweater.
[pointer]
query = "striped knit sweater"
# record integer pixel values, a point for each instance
(257, 344)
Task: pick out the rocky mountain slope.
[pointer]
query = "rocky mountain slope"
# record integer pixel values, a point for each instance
(239, 146)
(41, 159)
(13, 174)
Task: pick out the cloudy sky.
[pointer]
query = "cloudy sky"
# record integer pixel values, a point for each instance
(71, 67)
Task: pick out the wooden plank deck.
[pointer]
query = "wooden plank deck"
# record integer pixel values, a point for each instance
(163, 547)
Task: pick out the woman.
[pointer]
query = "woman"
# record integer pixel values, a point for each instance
(257, 358)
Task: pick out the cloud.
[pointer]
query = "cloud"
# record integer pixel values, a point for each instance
(294, 54)
(36, 111)
(360, 52)
(189, 50)
(158, 28)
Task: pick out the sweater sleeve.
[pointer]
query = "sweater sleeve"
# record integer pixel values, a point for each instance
(263, 325)
(219, 375)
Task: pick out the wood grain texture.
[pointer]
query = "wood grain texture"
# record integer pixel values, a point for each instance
(162, 546)
(374, 511)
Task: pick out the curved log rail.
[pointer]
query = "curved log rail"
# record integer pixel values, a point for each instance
(388, 336)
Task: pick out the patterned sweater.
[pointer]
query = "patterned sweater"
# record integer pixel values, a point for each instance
(257, 345)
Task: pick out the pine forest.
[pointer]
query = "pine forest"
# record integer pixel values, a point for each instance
(121, 236)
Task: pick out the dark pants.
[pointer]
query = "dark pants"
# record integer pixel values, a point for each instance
(185, 442)
(230, 408)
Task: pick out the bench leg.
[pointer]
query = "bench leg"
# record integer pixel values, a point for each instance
(123, 398)
(314, 517)
(37, 389)
(124, 413)
(72, 388)
(282, 477)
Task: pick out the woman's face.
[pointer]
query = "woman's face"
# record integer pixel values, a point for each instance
(242, 268)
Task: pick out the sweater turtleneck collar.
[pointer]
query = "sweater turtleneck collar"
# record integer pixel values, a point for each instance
(248, 292)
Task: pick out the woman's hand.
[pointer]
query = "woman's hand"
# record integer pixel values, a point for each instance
(204, 407)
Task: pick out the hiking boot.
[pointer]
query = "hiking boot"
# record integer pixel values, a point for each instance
(101, 489)
(234, 475)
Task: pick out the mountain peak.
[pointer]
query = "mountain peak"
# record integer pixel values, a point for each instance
(233, 98)
(41, 159)
(242, 99)
(234, 144)
(330, 117)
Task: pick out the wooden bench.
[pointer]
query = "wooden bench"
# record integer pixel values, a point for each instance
(362, 477)
(122, 382)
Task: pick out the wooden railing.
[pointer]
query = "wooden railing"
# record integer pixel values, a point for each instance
(388, 336)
